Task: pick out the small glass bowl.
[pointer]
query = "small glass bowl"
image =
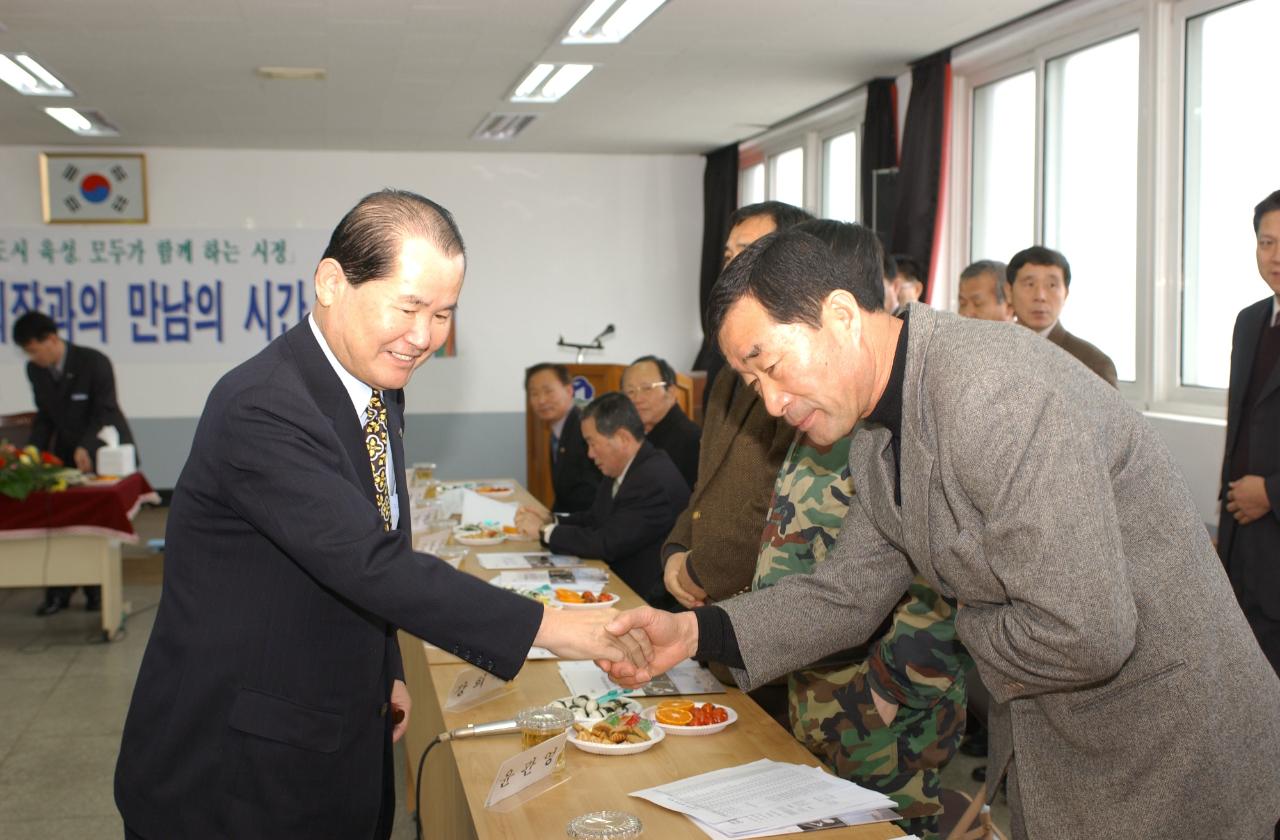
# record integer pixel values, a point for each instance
(604, 825)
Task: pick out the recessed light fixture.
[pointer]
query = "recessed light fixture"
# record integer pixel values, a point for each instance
(85, 123)
(549, 82)
(503, 126)
(609, 21)
(28, 77)
(293, 74)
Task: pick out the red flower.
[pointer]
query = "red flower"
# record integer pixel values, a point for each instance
(50, 458)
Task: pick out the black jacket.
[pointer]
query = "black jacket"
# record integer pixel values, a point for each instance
(627, 530)
(574, 477)
(72, 410)
(260, 708)
(679, 437)
(1251, 552)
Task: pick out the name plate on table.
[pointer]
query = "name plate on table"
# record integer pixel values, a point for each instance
(472, 686)
(526, 769)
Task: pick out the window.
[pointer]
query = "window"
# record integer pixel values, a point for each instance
(1091, 191)
(788, 177)
(840, 177)
(752, 189)
(1231, 164)
(1004, 167)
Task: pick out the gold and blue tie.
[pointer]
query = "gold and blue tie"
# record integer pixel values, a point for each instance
(376, 442)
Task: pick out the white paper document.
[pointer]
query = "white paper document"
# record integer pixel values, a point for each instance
(763, 795)
(527, 560)
(583, 677)
(842, 821)
(481, 510)
(581, 579)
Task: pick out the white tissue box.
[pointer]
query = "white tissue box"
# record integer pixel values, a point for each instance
(117, 460)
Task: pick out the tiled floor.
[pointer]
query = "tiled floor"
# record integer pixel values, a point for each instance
(63, 697)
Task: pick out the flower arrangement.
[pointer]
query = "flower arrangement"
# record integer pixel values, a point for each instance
(24, 471)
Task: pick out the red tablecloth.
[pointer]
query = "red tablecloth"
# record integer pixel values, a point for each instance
(101, 509)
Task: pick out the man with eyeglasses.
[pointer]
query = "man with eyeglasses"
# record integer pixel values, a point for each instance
(649, 382)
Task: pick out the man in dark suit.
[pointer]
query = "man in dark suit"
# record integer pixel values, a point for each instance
(1039, 280)
(649, 382)
(272, 686)
(1249, 527)
(632, 512)
(573, 477)
(75, 394)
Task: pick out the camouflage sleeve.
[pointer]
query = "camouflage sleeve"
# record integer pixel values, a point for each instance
(919, 659)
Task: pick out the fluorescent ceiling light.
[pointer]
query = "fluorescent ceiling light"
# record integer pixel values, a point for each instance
(542, 85)
(84, 123)
(28, 77)
(609, 21)
(503, 126)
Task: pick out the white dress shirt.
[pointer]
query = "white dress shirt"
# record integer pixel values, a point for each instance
(360, 394)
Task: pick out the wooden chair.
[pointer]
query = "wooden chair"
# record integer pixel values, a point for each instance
(974, 822)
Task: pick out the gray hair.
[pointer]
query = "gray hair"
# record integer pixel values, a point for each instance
(981, 267)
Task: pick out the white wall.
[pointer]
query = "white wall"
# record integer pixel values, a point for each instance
(558, 244)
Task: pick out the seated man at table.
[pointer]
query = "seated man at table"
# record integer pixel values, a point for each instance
(632, 513)
(650, 382)
(573, 477)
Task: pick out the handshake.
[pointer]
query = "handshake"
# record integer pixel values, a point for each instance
(632, 647)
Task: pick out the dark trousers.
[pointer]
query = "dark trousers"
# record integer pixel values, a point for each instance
(64, 593)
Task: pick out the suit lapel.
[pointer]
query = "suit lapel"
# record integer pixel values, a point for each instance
(740, 406)
(917, 457)
(871, 467)
(395, 417)
(1245, 350)
(334, 402)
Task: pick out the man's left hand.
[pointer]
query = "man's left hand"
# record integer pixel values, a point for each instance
(1247, 499)
(83, 462)
(530, 522)
(400, 703)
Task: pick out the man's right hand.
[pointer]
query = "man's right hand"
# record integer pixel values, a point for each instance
(676, 577)
(669, 639)
(581, 634)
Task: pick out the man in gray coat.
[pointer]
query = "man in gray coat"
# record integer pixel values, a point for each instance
(1129, 694)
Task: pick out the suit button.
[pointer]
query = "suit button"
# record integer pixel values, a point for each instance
(383, 711)
(697, 514)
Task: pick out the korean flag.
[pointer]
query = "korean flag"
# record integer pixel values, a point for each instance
(94, 188)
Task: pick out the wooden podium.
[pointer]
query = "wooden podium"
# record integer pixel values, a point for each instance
(589, 382)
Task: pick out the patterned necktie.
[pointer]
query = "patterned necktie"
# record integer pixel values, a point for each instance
(376, 442)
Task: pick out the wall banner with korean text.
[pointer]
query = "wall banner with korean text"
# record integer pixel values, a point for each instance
(161, 296)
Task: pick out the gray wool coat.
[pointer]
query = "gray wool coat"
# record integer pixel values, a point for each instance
(1128, 689)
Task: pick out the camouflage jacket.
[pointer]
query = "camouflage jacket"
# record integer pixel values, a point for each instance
(918, 659)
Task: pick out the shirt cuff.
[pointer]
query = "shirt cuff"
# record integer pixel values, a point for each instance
(546, 532)
(716, 639)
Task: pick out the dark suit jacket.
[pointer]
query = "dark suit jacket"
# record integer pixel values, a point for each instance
(260, 708)
(1252, 552)
(1092, 358)
(626, 530)
(742, 450)
(679, 437)
(71, 411)
(574, 476)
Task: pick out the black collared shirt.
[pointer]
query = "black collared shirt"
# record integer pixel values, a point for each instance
(716, 639)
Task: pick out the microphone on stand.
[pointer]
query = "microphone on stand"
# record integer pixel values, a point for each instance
(474, 730)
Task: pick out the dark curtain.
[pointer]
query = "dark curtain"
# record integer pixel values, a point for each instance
(879, 137)
(719, 200)
(921, 168)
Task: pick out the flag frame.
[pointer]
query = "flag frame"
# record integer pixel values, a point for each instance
(49, 160)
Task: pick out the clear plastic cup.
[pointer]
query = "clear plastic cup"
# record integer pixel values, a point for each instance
(542, 723)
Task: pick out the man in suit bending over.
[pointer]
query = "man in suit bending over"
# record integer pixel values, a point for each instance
(75, 393)
(634, 507)
(272, 686)
(649, 382)
(1127, 687)
(573, 477)
(1039, 280)
(1249, 527)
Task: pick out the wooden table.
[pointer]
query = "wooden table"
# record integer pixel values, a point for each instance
(458, 774)
(72, 539)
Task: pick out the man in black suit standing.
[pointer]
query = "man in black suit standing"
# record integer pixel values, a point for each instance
(632, 513)
(573, 477)
(272, 687)
(75, 394)
(649, 382)
(1249, 526)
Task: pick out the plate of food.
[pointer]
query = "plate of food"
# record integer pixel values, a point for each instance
(623, 734)
(585, 708)
(685, 717)
(478, 535)
(572, 599)
(494, 491)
